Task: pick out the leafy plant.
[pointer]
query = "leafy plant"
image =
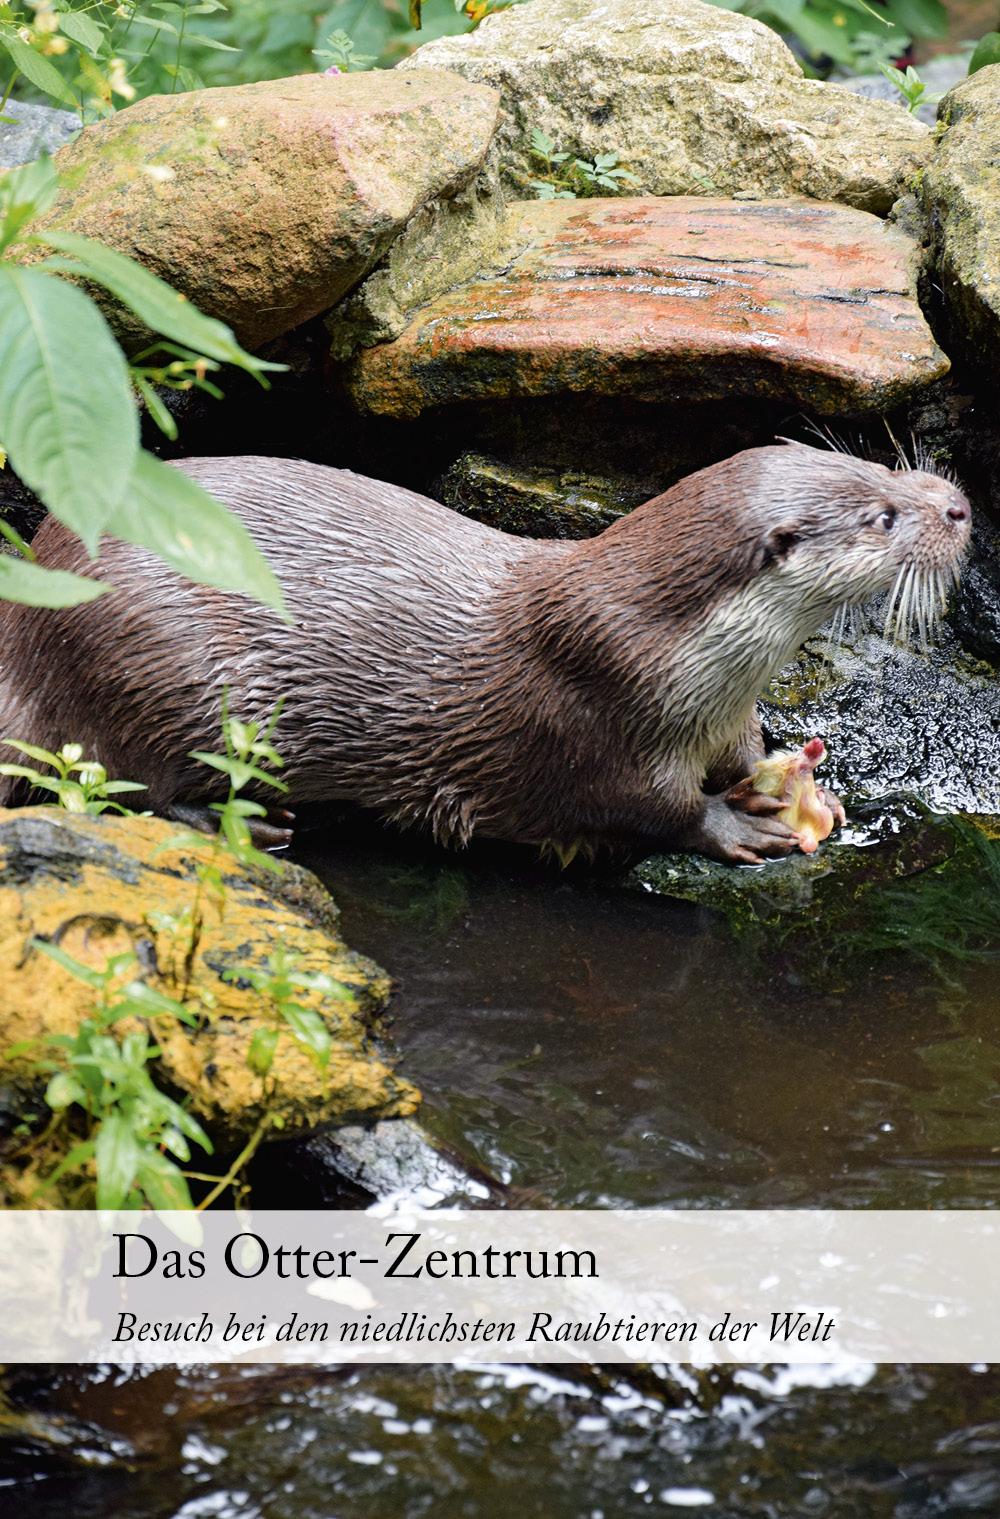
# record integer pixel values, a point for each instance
(133, 1134)
(248, 750)
(910, 86)
(338, 55)
(567, 176)
(841, 31)
(104, 1081)
(68, 415)
(78, 785)
(280, 983)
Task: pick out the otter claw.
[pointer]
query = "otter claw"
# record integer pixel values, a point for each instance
(740, 837)
(743, 798)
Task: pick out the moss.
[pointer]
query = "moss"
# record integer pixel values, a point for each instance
(536, 502)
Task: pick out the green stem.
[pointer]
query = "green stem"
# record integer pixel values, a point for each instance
(6, 93)
(241, 1160)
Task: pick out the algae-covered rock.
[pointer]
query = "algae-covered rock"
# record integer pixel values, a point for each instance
(98, 887)
(897, 878)
(694, 98)
(264, 203)
(961, 196)
(535, 502)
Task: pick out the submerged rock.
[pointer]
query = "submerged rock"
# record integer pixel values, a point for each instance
(680, 299)
(961, 198)
(695, 98)
(99, 887)
(264, 203)
(930, 890)
(30, 130)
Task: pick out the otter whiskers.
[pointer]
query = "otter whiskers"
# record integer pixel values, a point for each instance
(916, 602)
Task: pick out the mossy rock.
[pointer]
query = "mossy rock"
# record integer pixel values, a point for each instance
(961, 198)
(106, 885)
(898, 878)
(535, 502)
(695, 99)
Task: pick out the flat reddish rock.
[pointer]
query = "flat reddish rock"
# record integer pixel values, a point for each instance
(677, 299)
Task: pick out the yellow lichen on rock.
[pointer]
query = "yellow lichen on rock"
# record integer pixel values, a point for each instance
(98, 887)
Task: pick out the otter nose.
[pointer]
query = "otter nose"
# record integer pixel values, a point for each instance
(958, 511)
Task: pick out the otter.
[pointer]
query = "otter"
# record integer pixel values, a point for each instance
(451, 676)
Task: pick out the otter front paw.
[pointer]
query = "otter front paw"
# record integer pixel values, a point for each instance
(738, 827)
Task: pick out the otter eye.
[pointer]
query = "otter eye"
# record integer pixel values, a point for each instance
(887, 520)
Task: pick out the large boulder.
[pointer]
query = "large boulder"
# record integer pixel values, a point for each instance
(677, 299)
(265, 203)
(696, 99)
(99, 887)
(961, 196)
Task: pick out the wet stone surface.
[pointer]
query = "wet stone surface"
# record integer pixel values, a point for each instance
(687, 299)
(895, 720)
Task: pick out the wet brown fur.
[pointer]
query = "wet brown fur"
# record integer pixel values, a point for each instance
(458, 678)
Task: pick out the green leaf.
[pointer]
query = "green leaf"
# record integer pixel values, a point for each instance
(44, 756)
(118, 1155)
(41, 73)
(198, 39)
(155, 303)
(34, 586)
(162, 1183)
(260, 1055)
(987, 51)
(167, 512)
(24, 193)
(63, 1090)
(159, 413)
(67, 416)
(78, 26)
(82, 972)
(309, 1029)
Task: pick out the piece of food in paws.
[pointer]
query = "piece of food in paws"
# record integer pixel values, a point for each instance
(789, 774)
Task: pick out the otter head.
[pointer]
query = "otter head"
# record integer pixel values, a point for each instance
(841, 532)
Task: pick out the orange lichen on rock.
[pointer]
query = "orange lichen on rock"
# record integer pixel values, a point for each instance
(101, 886)
(790, 775)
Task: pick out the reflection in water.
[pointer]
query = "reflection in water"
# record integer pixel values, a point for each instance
(600, 1046)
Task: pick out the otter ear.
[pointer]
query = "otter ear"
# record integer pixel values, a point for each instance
(780, 541)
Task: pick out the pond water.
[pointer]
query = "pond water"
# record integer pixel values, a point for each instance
(587, 1045)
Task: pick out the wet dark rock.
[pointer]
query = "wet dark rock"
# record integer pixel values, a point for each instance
(975, 611)
(680, 299)
(895, 720)
(33, 130)
(396, 1159)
